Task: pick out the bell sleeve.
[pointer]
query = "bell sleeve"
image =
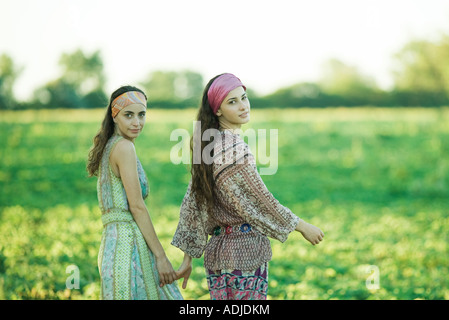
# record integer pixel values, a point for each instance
(191, 236)
(254, 202)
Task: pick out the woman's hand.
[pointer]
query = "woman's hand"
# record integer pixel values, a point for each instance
(184, 270)
(166, 272)
(311, 233)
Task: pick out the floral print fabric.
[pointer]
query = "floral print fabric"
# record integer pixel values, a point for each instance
(126, 264)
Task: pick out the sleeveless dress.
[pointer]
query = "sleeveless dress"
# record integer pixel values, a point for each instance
(126, 264)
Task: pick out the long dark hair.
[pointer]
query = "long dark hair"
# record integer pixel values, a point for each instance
(202, 173)
(105, 133)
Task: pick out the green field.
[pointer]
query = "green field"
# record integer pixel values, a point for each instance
(376, 181)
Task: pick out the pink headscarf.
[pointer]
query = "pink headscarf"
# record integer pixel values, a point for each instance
(220, 88)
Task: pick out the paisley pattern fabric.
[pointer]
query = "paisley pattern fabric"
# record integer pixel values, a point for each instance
(241, 254)
(241, 198)
(126, 264)
(238, 285)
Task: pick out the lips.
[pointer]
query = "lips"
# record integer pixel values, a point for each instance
(244, 115)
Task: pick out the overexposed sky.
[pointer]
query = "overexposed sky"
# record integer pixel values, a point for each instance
(267, 44)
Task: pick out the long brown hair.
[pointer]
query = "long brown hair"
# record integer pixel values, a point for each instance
(202, 173)
(105, 133)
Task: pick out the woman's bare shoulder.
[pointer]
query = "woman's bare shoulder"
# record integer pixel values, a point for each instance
(124, 149)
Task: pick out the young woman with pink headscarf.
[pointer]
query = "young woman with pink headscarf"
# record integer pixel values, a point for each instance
(227, 200)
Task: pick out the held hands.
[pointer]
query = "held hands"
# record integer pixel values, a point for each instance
(166, 273)
(311, 233)
(184, 270)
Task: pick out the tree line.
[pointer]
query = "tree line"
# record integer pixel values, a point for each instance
(421, 78)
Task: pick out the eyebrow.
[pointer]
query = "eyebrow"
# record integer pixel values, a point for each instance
(132, 112)
(233, 98)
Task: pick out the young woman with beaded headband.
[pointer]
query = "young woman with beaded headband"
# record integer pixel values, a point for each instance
(131, 260)
(228, 200)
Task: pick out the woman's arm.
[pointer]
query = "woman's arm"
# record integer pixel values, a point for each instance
(247, 193)
(184, 270)
(311, 233)
(191, 235)
(124, 158)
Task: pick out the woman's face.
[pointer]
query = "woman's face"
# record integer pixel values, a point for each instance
(130, 120)
(234, 110)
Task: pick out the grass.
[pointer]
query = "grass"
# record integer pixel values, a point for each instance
(376, 181)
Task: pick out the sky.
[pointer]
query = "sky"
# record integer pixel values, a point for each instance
(267, 44)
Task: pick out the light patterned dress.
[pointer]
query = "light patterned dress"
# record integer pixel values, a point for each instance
(126, 264)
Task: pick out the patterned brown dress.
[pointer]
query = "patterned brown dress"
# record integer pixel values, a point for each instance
(245, 214)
